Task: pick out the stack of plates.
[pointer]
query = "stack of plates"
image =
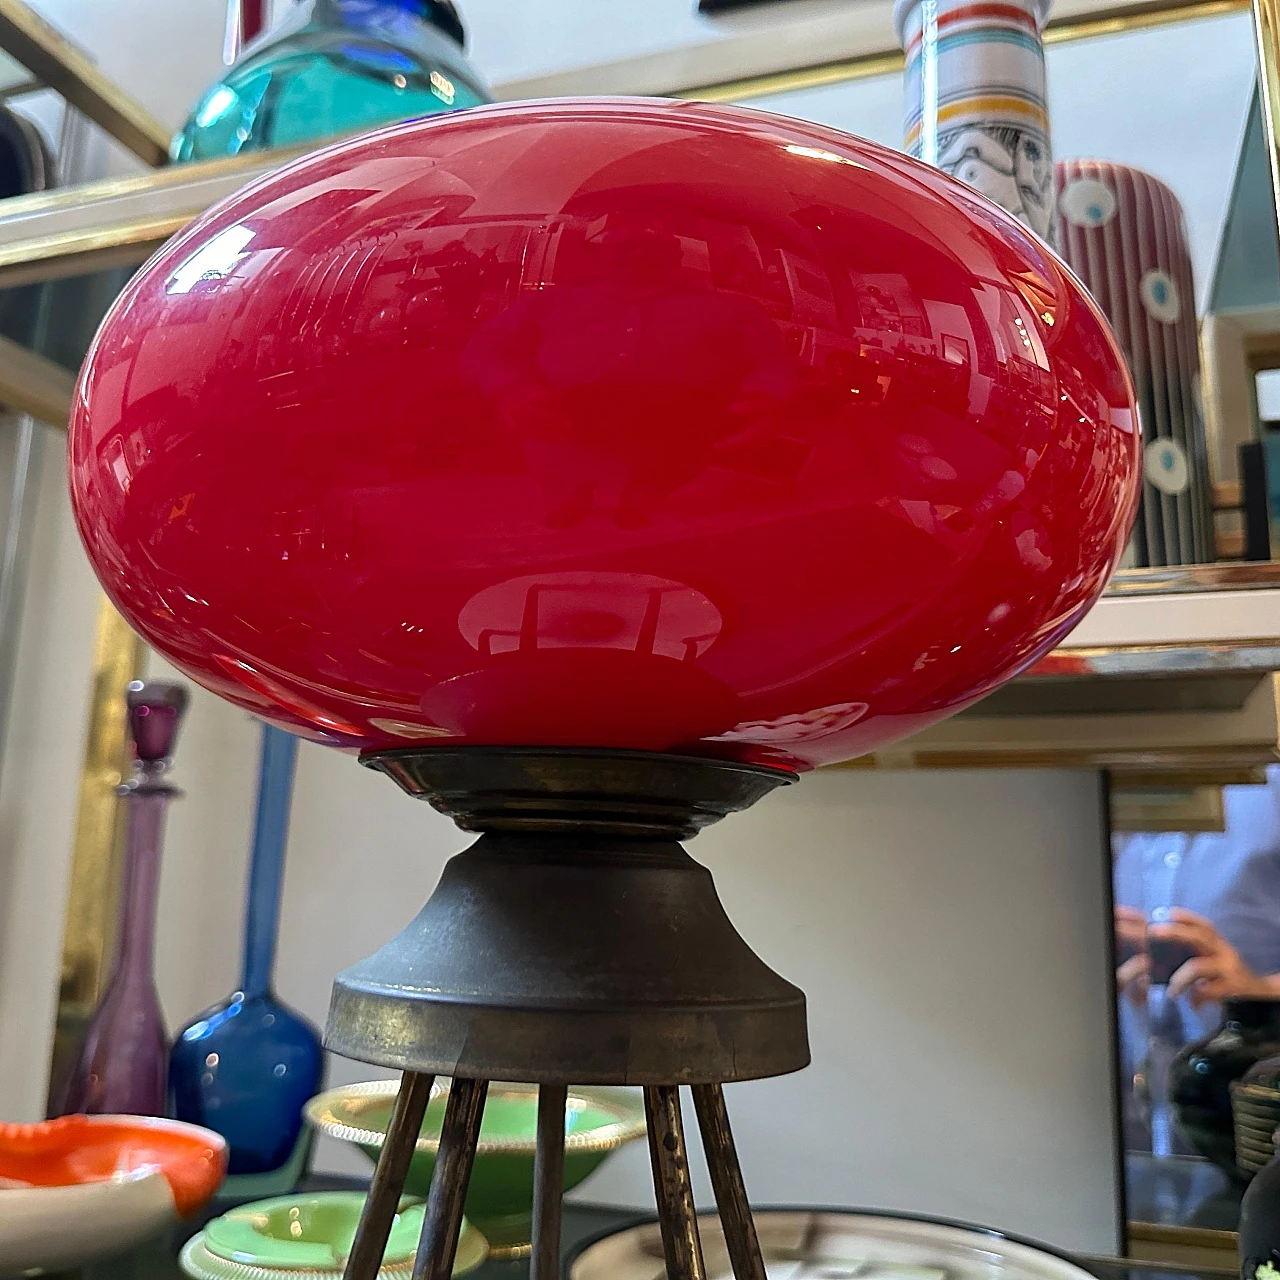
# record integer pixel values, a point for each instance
(1256, 1108)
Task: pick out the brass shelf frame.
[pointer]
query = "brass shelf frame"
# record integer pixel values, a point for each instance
(116, 221)
(122, 221)
(30, 383)
(56, 63)
(877, 62)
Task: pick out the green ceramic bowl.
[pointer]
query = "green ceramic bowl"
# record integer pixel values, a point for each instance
(500, 1196)
(281, 1238)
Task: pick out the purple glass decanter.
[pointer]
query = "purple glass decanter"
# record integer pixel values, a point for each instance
(123, 1063)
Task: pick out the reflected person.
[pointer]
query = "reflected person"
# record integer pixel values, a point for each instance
(1201, 912)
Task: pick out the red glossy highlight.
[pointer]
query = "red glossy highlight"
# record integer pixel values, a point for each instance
(613, 423)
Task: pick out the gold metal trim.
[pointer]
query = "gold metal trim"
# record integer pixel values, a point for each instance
(117, 221)
(1194, 760)
(878, 62)
(1253, 776)
(60, 65)
(1190, 659)
(1201, 1237)
(1166, 804)
(118, 656)
(74, 253)
(17, 90)
(1179, 579)
(199, 1261)
(322, 1114)
(1166, 1267)
(1266, 29)
(250, 164)
(881, 62)
(31, 383)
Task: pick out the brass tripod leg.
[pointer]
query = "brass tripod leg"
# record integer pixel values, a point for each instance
(370, 1241)
(548, 1182)
(456, 1154)
(676, 1216)
(726, 1179)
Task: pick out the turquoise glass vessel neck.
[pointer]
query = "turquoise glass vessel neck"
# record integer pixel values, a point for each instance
(266, 869)
(359, 12)
(333, 67)
(357, 15)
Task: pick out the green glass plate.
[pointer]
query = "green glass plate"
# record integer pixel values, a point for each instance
(289, 1236)
(500, 1194)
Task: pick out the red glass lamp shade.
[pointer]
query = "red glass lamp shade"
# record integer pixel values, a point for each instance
(610, 423)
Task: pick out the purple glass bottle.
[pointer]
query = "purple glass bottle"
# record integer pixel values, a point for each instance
(123, 1063)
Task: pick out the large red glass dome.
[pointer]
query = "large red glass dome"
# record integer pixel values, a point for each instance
(610, 423)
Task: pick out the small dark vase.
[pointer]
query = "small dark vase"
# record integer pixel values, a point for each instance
(1260, 1225)
(1202, 1074)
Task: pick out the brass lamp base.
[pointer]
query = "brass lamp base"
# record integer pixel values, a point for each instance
(574, 943)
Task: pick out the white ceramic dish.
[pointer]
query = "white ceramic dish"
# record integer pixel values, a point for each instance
(85, 1187)
(835, 1245)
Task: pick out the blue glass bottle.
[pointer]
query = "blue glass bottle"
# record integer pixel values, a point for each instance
(334, 67)
(245, 1067)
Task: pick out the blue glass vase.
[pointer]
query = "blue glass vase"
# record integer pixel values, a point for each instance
(245, 1067)
(334, 67)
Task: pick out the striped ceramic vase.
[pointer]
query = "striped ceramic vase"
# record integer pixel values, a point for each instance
(1124, 234)
(975, 98)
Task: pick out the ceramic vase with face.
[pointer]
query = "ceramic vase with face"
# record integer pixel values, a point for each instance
(1124, 233)
(975, 99)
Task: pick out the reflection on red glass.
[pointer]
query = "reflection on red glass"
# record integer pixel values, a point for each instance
(607, 423)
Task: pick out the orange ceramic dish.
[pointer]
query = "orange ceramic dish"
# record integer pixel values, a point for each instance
(83, 1187)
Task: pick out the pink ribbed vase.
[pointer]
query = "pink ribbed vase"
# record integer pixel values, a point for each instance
(1124, 233)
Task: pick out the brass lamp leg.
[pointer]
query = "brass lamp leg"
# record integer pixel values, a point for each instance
(370, 1241)
(548, 1182)
(459, 1135)
(726, 1179)
(674, 1191)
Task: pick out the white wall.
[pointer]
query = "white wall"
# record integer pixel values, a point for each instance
(949, 933)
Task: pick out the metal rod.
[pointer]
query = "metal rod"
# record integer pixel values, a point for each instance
(726, 1179)
(405, 1125)
(457, 1152)
(1266, 30)
(15, 555)
(676, 1216)
(548, 1182)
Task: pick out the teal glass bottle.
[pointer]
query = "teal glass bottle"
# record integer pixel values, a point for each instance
(333, 67)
